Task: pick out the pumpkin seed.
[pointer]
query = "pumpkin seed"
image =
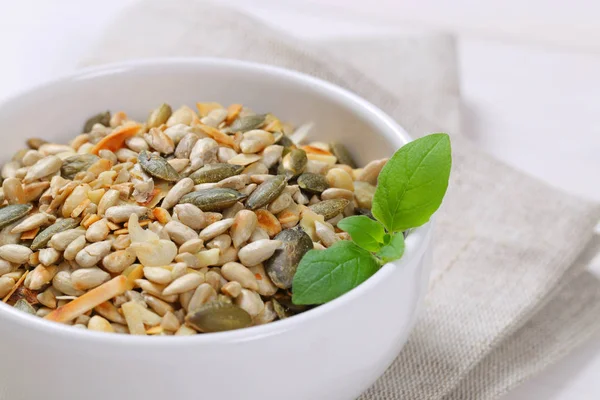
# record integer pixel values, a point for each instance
(313, 183)
(266, 192)
(215, 199)
(282, 265)
(329, 208)
(215, 172)
(102, 118)
(13, 212)
(159, 116)
(342, 154)
(286, 306)
(157, 166)
(44, 236)
(248, 122)
(77, 163)
(293, 163)
(24, 306)
(218, 316)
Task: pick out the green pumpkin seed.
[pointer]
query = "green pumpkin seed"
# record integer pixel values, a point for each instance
(218, 316)
(285, 141)
(10, 214)
(293, 163)
(157, 166)
(342, 154)
(42, 238)
(215, 173)
(285, 308)
(24, 306)
(282, 265)
(330, 208)
(266, 192)
(102, 118)
(248, 123)
(215, 199)
(159, 116)
(77, 163)
(279, 310)
(313, 183)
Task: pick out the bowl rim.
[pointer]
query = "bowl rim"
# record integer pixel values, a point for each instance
(415, 244)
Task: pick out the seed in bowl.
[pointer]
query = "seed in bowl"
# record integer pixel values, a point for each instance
(197, 222)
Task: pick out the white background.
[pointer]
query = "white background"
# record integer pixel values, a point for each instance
(530, 79)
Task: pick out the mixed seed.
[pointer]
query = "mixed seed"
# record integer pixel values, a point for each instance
(190, 222)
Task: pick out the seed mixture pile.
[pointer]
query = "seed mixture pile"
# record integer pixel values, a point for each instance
(190, 222)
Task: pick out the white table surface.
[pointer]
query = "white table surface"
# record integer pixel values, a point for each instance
(529, 77)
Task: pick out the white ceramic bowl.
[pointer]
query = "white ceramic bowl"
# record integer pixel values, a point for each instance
(335, 351)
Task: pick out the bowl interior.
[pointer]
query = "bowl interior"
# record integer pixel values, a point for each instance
(57, 111)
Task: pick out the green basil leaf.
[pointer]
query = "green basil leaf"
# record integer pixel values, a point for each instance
(413, 182)
(365, 232)
(323, 275)
(394, 249)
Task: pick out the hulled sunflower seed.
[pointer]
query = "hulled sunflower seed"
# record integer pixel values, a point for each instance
(185, 145)
(202, 295)
(183, 284)
(15, 253)
(371, 171)
(88, 278)
(190, 215)
(233, 271)
(243, 225)
(119, 214)
(250, 302)
(180, 233)
(215, 229)
(257, 252)
(118, 261)
(44, 167)
(98, 231)
(57, 237)
(93, 253)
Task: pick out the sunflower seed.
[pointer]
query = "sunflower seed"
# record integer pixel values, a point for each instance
(204, 152)
(88, 278)
(224, 154)
(363, 193)
(44, 167)
(119, 260)
(98, 231)
(268, 222)
(255, 141)
(265, 285)
(215, 117)
(213, 199)
(325, 234)
(49, 256)
(183, 284)
(233, 271)
(157, 166)
(12, 213)
(215, 229)
(371, 171)
(15, 253)
(221, 242)
(185, 145)
(184, 186)
(257, 252)
(180, 233)
(190, 215)
(118, 214)
(58, 235)
(93, 253)
(271, 155)
(266, 192)
(329, 208)
(231, 289)
(250, 302)
(244, 224)
(335, 193)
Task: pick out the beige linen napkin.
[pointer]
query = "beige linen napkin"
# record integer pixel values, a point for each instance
(499, 306)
